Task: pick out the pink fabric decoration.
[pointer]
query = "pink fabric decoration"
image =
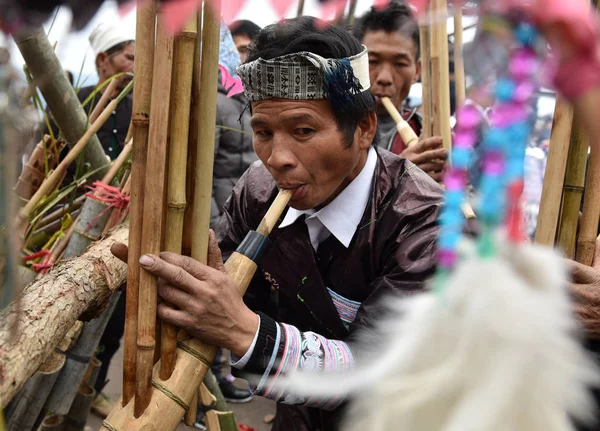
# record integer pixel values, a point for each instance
(230, 9)
(281, 6)
(232, 85)
(177, 13)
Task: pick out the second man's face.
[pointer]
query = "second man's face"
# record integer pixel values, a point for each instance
(393, 66)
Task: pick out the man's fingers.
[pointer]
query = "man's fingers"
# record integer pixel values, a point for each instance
(431, 156)
(120, 251)
(215, 260)
(173, 274)
(430, 143)
(196, 269)
(596, 263)
(581, 273)
(436, 176)
(432, 167)
(173, 295)
(170, 315)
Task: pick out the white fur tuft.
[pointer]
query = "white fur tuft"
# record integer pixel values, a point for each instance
(497, 351)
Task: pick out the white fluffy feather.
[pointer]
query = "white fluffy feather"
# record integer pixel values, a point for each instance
(495, 351)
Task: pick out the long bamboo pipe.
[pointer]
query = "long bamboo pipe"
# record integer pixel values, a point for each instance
(144, 60)
(425, 58)
(173, 397)
(409, 137)
(459, 64)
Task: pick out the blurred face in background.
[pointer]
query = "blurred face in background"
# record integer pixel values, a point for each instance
(393, 66)
(241, 43)
(120, 61)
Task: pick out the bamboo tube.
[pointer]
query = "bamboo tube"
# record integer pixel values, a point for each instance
(588, 231)
(143, 70)
(106, 95)
(459, 64)
(190, 415)
(206, 134)
(193, 357)
(406, 132)
(51, 181)
(80, 409)
(434, 55)
(556, 164)
(22, 412)
(425, 58)
(573, 189)
(300, 10)
(444, 95)
(153, 220)
(65, 209)
(176, 199)
(352, 12)
(193, 143)
(53, 422)
(91, 374)
(58, 92)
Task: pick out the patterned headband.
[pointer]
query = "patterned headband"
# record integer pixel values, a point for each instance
(306, 76)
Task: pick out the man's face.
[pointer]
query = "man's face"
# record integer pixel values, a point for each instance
(241, 43)
(393, 67)
(121, 61)
(299, 143)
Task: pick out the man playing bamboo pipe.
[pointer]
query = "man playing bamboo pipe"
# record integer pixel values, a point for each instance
(392, 37)
(362, 223)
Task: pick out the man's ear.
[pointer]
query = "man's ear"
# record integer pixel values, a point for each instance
(101, 59)
(366, 129)
(418, 72)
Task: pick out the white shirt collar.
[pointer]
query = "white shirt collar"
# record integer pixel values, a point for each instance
(342, 215)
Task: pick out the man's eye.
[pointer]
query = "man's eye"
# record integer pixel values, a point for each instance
(263, 133)
(304, 131)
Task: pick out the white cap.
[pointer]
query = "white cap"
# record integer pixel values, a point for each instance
(105, 36)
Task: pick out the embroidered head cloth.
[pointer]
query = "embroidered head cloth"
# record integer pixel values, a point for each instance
(306, 76)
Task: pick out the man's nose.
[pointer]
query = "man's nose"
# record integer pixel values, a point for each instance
(384, 76)
(281, 157)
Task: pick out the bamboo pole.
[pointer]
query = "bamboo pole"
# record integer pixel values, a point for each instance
(588, 231)
(144, 61)
(300, 9)
(80, 409)
(176, 199)
(153, 215)
(106, 95)
(434, 55)
(444, 95)
(459, 64)
(52, 179)
(425, 59)
(53, 422)
(172, 397)
(573, 189)
(406, 132)
(206, 135)
(352, 12)
(58, 92)
(556, 164)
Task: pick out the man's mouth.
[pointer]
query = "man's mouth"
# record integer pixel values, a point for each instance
(299, 190)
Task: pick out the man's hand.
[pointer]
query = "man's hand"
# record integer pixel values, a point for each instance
(202, 299)
(428, 155)
(585, 290)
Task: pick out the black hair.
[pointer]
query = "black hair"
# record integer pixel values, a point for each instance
(397, 16)
(309, 34)
(118, 47)
(244, 27)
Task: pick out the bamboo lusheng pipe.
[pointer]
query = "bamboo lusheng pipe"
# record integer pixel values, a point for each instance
(424, 38)
(573, 189)
(153, 215)
(554, 178)
(172, 397)
(588, 231)
(406, 132)
(185, 43)
(459, 64)
(58, 92)
(441, 13)
(51, 181)
(142, 88)
(106, 95)
(352, 12)
(300, 9)
(434, 55)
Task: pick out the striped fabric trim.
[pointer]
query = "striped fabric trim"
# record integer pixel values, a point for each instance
(345, 307)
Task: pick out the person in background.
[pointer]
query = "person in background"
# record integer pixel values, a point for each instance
(392, 37)
(243, 32)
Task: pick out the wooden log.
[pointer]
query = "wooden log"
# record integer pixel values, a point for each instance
(153, 220)
(58, 92)
(573, 189)
(22, 412)
(185, 43)
(172, 398)
(84, 283)
(554, 178)
(80, 409)
(78, 358)
(144, 60)
(53, 422)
